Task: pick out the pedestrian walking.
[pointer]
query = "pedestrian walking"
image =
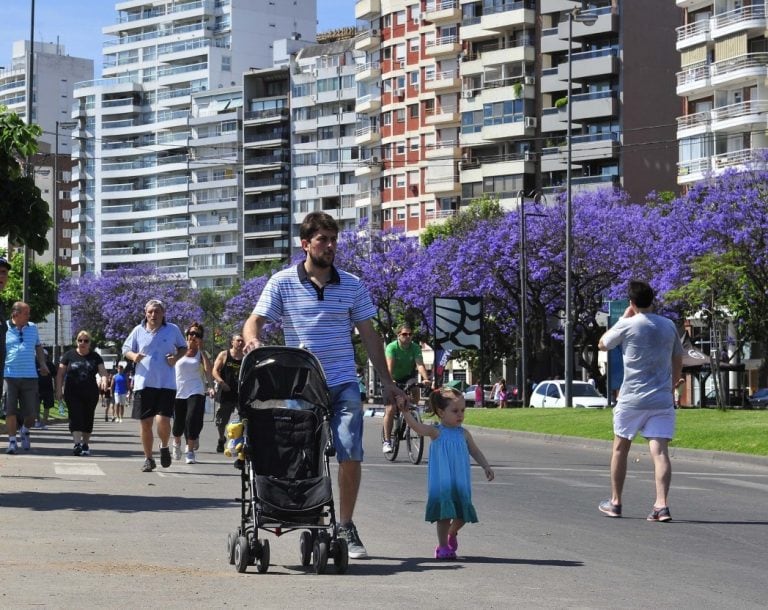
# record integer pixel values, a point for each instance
(319, 305)
(24, 362)
(120, 392)
(226, 372)
(45, 389)
(76, 384)
(449, 480)
(653, 357)
(154, 346)
(193, 383)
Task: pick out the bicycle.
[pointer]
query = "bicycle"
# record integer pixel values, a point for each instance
(403, 432)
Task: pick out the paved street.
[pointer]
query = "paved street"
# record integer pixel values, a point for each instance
(96, 532)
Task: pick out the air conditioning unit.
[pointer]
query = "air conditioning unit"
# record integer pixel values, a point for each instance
(374, 32)
(529, 155)
(468, 95)
(400, 92)
(402, 63)
(530, 121)
(417, 19)
(313, 71)
(313, 98)
(373, 160)
(529, 80)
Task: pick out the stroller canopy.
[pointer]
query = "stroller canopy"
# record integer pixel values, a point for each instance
(282, 373)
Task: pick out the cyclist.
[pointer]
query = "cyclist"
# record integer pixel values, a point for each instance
(403, 360)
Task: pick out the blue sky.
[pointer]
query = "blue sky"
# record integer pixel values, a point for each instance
(78, 25)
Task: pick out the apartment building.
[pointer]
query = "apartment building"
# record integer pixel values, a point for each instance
(135, 185)
(408, 99)
(723, 54)
(622, 75)
(324, 132)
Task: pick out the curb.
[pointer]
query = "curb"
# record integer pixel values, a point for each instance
(700, 455)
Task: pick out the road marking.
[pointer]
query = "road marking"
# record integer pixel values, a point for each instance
(90, 469)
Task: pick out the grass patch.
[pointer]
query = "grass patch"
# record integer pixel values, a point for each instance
(733, 430)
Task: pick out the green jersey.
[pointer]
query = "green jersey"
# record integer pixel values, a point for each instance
(405, 360)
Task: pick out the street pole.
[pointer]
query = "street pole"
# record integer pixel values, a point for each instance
(29, 92)
(55, 206)
(568, 355)
(523, 384)
(587, 19)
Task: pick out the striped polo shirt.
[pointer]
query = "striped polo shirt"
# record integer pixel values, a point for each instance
(319, 319)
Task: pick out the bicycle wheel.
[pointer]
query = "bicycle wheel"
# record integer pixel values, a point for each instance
(394, 439)
(413, 441)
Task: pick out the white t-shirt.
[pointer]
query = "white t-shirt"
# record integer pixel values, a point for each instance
(648, 342)
(189, 376)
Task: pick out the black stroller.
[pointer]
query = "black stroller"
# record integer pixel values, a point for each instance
(285, 477)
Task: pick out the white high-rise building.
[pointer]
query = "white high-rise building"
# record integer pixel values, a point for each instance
(134, 177)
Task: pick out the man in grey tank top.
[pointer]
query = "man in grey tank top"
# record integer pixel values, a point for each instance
(652, 354)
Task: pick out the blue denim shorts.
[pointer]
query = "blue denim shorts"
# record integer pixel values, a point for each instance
(347, 422)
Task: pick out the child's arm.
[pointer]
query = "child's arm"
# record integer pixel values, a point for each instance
(419, 427)
(475, 452)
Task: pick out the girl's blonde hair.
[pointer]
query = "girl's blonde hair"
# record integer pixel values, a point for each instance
(440, 398)
(83, 333)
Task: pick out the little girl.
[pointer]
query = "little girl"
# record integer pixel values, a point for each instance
(449, 482)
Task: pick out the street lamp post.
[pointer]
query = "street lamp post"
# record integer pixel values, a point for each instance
(587, 19)
(523, 385)
(68, 125)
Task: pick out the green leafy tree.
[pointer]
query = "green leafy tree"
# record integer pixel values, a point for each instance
(483, 208)
(24, 214)
(42, 291)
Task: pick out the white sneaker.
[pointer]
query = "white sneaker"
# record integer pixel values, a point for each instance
(176, 452)
(190, 457)
(387, 447)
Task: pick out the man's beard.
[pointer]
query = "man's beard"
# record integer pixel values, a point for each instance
(322, 262)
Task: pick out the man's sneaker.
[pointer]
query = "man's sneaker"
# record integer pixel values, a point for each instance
(26, 445)
(11, 446)
(40, 425)
(86, 449)
(220, 446)
(176, 452)
(149, 465)
(386, 447)
(660, 514)
(77, 449)
(354, 544)
(165, 457)
(609, 508)
(190, 457)
(445, 553)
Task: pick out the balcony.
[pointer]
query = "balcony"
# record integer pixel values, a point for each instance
(442, 11)
(369, 167)
(693, 34)
(741, 117)
(740, 70)
(693, 79)
(368, 198)
(444, 185)
(367, 9)
(444, 45)
(447, 149)
(367, 40)
(367, 71)
(442, 81)
(368, 104)
(590, 64)
(442, 115)
(750, 17)
(507, 16)
(367, 135)
(694, 124)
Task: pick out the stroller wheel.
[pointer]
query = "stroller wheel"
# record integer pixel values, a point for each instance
(341, 556)
(241, 554)
(262, 561)
(231, 542)
(320, 554)
(305, 548)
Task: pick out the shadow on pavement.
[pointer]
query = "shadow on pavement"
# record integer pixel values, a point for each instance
(40, 501)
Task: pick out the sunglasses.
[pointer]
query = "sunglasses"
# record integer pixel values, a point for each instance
(83, 340)
(405, 334)
(193, 333)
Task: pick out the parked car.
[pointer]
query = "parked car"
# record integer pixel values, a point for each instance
(759, 400)
(469, 395)
(551, 393)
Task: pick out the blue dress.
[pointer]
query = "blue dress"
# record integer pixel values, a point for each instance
(449, 482)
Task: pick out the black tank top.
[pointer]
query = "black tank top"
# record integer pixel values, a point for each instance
(230, 373)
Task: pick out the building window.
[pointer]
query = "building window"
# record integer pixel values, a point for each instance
(400, 18)
(413, 77)
(400, 115)
(226, 63)
(413, 111)
(413, 211)
(401, 213)
(400, 180)
(414, 44)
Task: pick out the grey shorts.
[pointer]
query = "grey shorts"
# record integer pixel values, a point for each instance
(21, 396)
